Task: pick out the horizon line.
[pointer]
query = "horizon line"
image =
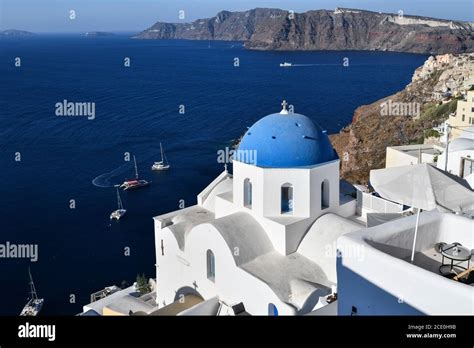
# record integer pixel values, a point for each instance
(224, 10)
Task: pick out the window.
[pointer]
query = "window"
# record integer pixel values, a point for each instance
(467, 167)
(247, 193)
(287, 199)
(272, 310)
(211, 266)
(463, 117)
(325, 194)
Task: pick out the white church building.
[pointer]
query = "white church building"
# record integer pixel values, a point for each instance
(264, 236)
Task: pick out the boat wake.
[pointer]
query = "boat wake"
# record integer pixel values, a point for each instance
(110, 179)
(314, 64)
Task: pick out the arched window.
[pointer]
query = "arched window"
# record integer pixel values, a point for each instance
(247, 193)
(272, 310)
(325, 194)
(211, 266)
(287, 199)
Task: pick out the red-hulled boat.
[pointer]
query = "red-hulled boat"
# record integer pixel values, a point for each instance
(134, 183)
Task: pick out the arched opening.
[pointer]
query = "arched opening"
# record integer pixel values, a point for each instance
(325, 194)
(184, 291)
(247, 193)
(211, 266)
(272, 310)
(287, 199)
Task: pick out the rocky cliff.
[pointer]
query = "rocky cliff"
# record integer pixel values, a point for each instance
(405, 117)
(341, 29)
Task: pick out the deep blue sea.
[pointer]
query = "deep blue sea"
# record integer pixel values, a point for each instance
(136, 108)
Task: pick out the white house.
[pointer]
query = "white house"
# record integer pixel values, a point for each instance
(264, 237)
(411, 154)
(460, 155)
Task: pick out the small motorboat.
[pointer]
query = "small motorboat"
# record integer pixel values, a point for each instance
(134, 183)
(285, 65)
(117, 214)
(163, 164)
(34, 304)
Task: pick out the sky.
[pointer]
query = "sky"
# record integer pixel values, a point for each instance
(136, 15)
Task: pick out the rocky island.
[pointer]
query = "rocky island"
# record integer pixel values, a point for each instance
(340, 29)
(15, 33)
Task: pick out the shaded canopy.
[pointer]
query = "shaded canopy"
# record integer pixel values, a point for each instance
(423, 186)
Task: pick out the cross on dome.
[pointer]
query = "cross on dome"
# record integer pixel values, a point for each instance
(285, 140)
(284, 110)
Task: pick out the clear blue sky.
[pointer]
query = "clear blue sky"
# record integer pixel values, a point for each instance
(136, 15)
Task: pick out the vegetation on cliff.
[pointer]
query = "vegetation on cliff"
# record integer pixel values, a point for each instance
(362, 145)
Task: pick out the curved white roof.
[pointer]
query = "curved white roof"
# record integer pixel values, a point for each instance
(460, 144)
(185, 220)
(295, 279)
(318, 244)
(242, 231)
(468, 133)
(222, 187)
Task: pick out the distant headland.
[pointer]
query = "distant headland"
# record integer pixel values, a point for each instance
(339, 29)
(15, 33)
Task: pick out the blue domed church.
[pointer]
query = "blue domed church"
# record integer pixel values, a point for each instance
(285, 140)
(262, 239)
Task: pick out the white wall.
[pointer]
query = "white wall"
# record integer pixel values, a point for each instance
(172, 270)
(454, 160)
(232, 284)
(319, 244)
(274, 179)
(242, 171)
(377, 283)
(266, 199)
(306, 182)
(330, 172)
(397, 156)
(177, 269)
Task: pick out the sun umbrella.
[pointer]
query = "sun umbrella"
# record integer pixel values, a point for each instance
(424, 187)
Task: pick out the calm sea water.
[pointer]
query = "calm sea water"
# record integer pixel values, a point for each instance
(136, 108)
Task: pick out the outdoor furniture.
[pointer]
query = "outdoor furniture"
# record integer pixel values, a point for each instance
(424, 187)
(440, 246)
(455, 252)
(464, 274)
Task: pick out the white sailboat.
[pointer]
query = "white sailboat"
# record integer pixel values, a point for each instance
(34, 304)
(117, 214)
(163, 164)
